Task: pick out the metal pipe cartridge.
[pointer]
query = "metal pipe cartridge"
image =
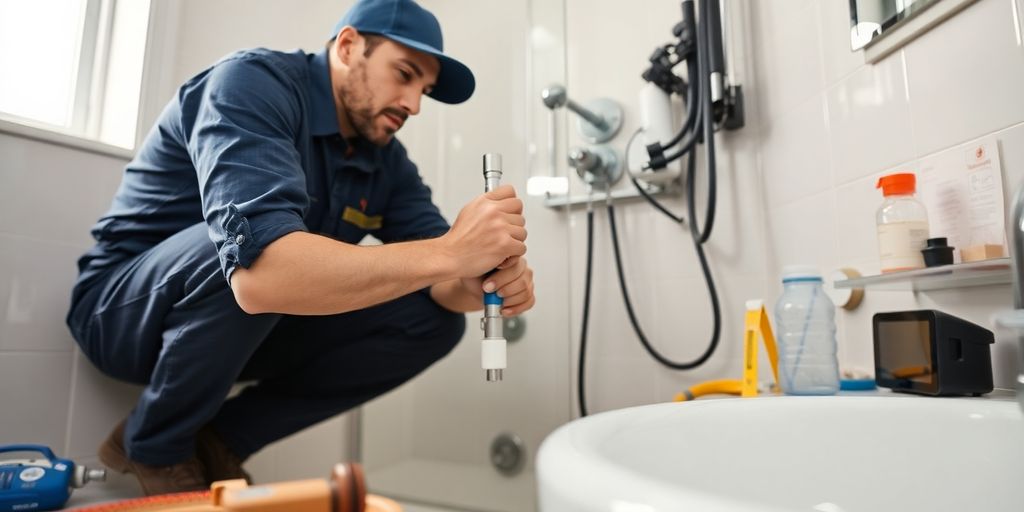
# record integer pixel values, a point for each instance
(492, 171)
(493, 345)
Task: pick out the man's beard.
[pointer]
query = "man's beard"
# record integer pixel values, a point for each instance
(358, 100)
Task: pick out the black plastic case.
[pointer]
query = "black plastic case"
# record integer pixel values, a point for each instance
(931, 353)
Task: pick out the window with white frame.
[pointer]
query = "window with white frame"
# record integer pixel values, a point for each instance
(73, 66)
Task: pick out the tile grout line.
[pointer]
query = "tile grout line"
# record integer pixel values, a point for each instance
(965, 142)
(60, 243)
(1016, 21)
(71, 400)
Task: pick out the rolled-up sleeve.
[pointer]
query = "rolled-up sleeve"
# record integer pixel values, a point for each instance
(242, 142)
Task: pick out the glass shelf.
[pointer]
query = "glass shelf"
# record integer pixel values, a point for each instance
(975, 273)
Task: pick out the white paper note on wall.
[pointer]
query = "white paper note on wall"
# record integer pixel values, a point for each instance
(962, 189)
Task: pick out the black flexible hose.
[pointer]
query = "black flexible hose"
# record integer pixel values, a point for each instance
(703, 106)
(691, 110)
(703, 64)
(692, 138)
(580, 380)
(655, 203)
(712, 293)
(701, 77)
(639, 188)
(715, 51)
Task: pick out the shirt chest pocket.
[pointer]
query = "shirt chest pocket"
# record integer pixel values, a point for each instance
(355, 216)
(361, 219)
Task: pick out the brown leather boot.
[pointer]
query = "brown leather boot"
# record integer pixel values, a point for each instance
(183, 477)
(220, 462)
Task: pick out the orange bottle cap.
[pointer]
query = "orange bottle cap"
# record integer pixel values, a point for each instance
(897, 184)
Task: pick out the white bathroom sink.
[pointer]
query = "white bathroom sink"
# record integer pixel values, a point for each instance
(827, 454)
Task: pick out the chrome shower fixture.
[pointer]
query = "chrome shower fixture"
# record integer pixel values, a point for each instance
(600, 119)
(598, 166)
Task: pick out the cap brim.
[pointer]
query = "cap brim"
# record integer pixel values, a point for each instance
(455, 82)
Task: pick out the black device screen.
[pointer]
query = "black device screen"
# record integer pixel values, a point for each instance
(905, 355)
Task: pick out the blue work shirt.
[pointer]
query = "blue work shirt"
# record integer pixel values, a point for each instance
(251, 147)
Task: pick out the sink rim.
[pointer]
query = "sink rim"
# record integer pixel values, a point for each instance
(572, 449)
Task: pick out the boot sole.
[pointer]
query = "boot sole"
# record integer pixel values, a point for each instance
(113, 455)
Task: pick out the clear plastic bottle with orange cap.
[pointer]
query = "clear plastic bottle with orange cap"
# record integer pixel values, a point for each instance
(902, 224)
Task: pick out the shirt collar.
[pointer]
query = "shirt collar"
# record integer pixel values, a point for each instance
(324, 116)
(367, 156)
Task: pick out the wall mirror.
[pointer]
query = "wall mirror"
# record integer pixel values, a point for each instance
(880, 27)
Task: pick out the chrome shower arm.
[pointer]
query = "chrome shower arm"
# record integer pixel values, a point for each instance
(600, 126)
(555, 96)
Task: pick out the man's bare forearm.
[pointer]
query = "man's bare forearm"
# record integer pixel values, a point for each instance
(307, 274)
(455, 295)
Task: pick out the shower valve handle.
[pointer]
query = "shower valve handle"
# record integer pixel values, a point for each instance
(598, 166)
(584, 160)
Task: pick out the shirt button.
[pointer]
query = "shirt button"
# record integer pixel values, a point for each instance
(240, 239)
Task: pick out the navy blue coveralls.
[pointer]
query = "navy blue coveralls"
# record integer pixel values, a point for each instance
(248, 151)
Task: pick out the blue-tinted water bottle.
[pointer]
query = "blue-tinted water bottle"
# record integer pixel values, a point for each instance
(805, 323)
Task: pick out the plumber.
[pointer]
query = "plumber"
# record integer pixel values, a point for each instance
(230, 250)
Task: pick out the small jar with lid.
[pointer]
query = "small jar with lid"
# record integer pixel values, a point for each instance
(902, 223)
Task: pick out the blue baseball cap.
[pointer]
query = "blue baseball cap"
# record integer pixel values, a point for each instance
(406, 23)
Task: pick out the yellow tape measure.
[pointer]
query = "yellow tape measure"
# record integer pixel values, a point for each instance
(756, 325)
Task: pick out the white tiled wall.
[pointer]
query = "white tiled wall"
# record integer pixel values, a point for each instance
(964, 80)
(49, 198)
(869, 108)
(823, 149)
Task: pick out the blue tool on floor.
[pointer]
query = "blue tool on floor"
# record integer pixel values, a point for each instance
(40, 484)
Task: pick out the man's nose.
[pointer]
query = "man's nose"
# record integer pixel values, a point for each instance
(411, 101)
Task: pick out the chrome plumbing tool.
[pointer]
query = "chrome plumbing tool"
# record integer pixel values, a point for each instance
(492, 355)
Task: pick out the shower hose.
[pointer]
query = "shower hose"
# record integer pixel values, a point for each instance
(698, 239)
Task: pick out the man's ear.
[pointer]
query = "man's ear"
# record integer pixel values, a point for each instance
(345, 44)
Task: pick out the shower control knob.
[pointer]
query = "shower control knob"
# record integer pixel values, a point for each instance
(583, 160)
(598, 166)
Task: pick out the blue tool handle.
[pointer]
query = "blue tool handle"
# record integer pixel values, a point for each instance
(492, 297)
(29, 448)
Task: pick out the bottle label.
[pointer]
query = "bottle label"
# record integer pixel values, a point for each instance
(900, 244)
